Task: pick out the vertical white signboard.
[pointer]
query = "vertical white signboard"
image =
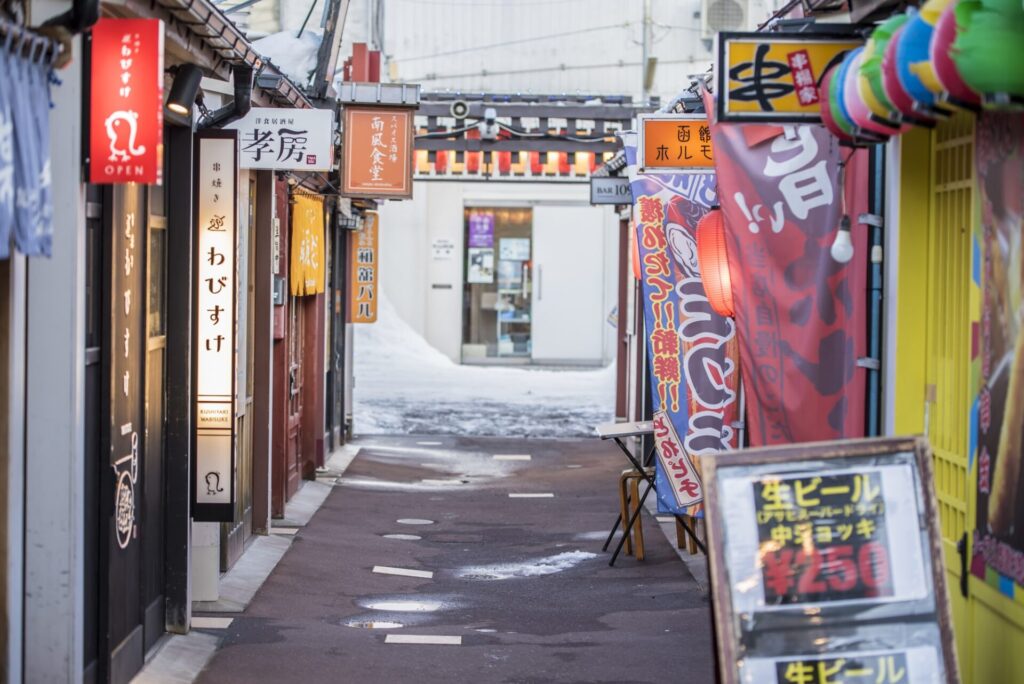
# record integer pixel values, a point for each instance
(213, 491)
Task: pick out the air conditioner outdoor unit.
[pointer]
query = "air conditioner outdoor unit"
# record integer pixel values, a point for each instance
(722, 15)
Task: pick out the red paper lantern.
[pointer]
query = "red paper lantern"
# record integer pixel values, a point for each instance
(713, 260)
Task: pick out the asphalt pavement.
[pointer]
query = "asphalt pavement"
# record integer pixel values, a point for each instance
(449, 559)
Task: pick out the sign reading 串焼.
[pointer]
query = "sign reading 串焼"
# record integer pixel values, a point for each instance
(610, 190)
(675, 142)
(775, 77)
(216, 164)
(280, 139)
(126, 106)
(307, 258)
(363, 252)
(378, 149)
(837, 545)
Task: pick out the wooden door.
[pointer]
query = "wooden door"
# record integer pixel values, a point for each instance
(296, 344)
(235, 535)
(152, 523)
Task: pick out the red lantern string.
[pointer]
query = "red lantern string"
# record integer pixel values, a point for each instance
(713, 260)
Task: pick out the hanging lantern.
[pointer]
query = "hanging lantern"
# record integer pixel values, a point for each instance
(834, 80)
(987, 48)
(713, 261)
(894, 89)
(913, 59)
(945, 69)
(869, 77)
(827, 105)
(855, 107)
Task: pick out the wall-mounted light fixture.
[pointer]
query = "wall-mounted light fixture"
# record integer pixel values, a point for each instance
(184, 89)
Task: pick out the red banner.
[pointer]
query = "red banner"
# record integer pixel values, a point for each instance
(800, 314)
(126, 113)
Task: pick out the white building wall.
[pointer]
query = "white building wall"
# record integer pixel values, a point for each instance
(427, 292)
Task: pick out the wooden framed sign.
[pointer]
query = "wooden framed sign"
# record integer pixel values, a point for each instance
(377, 152)
(827, 564)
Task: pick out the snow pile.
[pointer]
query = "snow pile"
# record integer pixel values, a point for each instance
(294, 56)
(530, 568)
(405, 386)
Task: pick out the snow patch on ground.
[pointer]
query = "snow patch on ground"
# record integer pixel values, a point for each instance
(405, 386)
(535, 568)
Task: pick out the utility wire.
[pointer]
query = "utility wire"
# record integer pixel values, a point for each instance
(560, 67)
(518, 41)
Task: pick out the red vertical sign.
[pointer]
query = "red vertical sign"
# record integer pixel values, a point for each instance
(126, 101)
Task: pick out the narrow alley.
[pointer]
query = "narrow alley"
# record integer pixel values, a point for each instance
(518, 584)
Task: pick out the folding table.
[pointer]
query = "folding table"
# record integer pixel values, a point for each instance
(617, 432)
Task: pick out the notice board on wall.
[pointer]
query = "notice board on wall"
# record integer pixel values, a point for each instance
(826, 564)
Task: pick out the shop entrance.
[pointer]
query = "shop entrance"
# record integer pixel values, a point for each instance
(497, 317)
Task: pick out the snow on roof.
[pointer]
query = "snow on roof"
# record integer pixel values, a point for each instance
(295, 56)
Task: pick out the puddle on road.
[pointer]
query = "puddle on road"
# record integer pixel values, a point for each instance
(402, 606)
(527, 568)
(373, 624)
(414, 521)
(403, 537)
(596, 535)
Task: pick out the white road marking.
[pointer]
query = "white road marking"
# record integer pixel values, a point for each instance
(665, 518)
(512, 457)
(429, 443)
(403, 572)
(414, 521)
(574, 465)
(211, 622)
(284, 530)
(404, 537)
(531, 495)
(423, 639)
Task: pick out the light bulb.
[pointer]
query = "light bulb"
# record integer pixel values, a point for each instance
(842, 248)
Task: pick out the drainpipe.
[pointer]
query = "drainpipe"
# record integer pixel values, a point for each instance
(241, 75)
(873, 221)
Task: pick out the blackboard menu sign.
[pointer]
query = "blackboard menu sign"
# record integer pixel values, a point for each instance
(827, 566)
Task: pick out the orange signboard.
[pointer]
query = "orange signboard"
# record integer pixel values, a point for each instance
(363, 269)
(676, 142)
(378, 152)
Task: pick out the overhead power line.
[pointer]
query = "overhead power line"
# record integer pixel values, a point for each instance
(518, 41)
(560, 67)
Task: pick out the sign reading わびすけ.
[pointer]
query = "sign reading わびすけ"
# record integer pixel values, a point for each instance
(216, 216)
(126, 102)
(775, 76)
(363, 255)
(378, 149)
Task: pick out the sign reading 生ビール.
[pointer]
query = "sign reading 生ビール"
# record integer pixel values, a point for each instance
(280, 139)
(126, 101)
(378, 149)
(827, 564)
(775, 76)
(676, 142)
(216, 163)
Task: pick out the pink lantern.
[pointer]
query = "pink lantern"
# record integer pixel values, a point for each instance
(945, 69)
(859, 112)
(827, 117)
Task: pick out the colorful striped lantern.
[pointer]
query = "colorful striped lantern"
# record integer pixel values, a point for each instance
(945, 69)
(855, 107)
(828, 104)
(987, 49)
(894, 90)
(835, 101)
(912, 52)
(869, 78)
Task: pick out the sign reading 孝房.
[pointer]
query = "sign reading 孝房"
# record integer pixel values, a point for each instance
(216, 163)
(286, 139)
(363, 267)
(775, 77)
(827, 564)
(126, 101)
(378, 149)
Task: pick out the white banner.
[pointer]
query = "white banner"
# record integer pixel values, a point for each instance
(286, 139)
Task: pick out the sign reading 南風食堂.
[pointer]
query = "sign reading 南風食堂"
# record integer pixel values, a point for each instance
(775, 77)
(377, 152)
(286, 139)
